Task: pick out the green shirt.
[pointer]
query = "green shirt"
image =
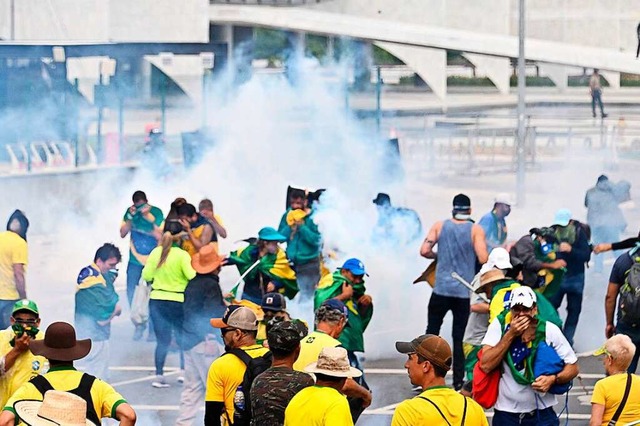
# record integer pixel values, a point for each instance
(142, 238)
(170, 279)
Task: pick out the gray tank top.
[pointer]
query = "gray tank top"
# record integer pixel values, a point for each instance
(455, 254)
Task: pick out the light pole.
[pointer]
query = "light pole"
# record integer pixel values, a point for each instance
(521, 142)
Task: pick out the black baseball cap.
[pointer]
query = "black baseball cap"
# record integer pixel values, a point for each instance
(273, 302)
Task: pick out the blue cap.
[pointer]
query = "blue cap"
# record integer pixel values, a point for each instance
(562, 217)
(273, 302)
(336, 305)
(355, 266)
(269, 234)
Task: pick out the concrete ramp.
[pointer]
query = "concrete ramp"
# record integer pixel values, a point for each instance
(379, 30)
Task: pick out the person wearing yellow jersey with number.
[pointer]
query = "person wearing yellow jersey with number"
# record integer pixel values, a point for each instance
(169, 270)
(18, 365)
(429, 360)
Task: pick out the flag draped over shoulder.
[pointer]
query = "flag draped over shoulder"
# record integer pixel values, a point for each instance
(272, 267)
(330, 286)
(549, 278)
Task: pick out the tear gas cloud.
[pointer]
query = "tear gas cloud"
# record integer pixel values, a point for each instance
(271, 134)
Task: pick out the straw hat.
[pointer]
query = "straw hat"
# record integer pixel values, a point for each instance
(206, 260)
(57, 409)
(489, 277)
(333, 362)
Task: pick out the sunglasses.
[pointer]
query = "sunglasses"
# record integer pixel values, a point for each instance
(225, 330)
(25, 322)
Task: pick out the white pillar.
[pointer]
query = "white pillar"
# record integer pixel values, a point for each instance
(498, 70)
(429, 64)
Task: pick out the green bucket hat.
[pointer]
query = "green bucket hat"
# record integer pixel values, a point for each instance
(270, 234)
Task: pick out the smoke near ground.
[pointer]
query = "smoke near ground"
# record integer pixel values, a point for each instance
(271, 134)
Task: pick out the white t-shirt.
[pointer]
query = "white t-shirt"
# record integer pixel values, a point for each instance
(517, 398)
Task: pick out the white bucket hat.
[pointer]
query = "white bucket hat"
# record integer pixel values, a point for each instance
(56, 409)
(333, 362)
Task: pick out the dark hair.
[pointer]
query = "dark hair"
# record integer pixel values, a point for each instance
(439, 371)
(205, 204)
(26, 311)
(106, 252)
(281, 353)
(139, 196)
(186, 210)
(326, 378)
(173, 227)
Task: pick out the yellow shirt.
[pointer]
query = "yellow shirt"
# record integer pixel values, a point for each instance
(13, 250)
(311, 346)
(417, 411)
(317, 406)
(26, 366)
(170, 280)
(66, 378)
(609, 392)
(225, 375)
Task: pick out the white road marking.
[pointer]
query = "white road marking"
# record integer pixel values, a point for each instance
(141, 379)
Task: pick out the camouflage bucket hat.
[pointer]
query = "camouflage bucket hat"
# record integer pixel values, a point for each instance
(286, 335)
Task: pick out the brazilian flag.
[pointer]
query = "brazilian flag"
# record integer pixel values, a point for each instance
(273, 267)
(329, 287)
(549, 278)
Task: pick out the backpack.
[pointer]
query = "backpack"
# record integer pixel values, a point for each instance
(629, 304)
(83, 391)
(241, 399)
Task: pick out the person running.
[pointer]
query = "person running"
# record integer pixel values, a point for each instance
(169, 270)
(461, 244)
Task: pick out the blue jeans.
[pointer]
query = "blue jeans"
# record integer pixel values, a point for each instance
(167, 318)
(634, 334)
(6, 306)
(546, 417)
(307, 276)
(605, 234)
(572, 287)
(596, 97)
(134, 272)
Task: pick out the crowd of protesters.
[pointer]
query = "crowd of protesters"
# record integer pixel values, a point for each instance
(248, 362)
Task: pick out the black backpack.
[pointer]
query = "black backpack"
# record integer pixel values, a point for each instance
(83, 391)
(242, 399)
(630, 294)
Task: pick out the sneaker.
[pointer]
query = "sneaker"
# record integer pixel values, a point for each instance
(180, 378)
(605, 115)
(160, 382)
